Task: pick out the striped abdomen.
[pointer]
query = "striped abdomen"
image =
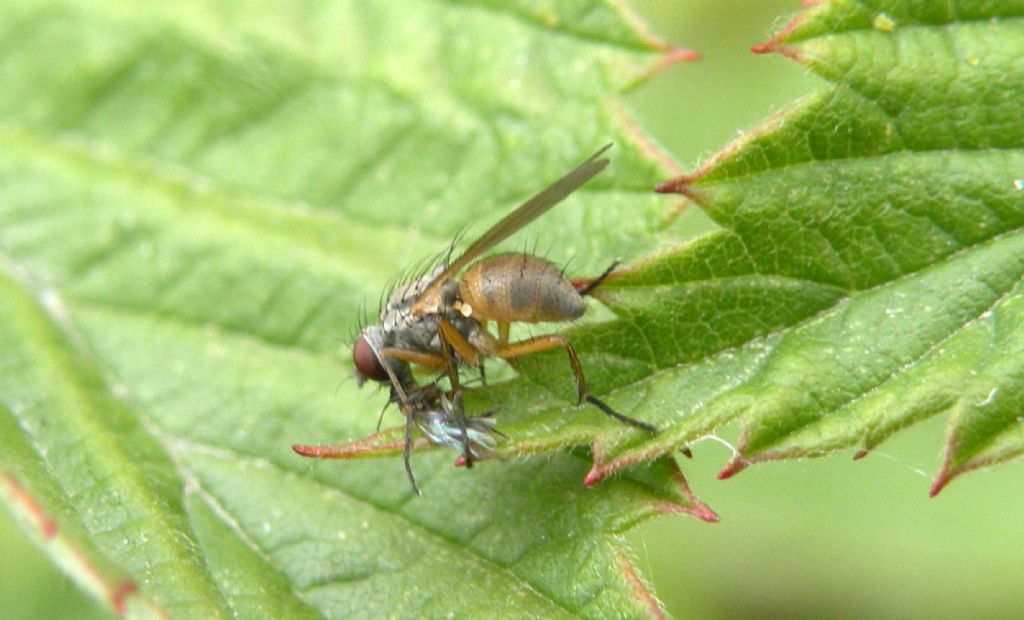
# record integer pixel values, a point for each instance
(519, 287)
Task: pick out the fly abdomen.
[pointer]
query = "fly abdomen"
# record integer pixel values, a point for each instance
(519, 287)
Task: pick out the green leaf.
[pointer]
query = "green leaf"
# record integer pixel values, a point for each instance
(867, 274)
(195, 200)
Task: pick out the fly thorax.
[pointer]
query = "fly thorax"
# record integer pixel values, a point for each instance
(449, 292)
(396, 311)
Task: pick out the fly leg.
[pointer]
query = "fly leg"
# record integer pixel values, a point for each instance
(408, 407)
(407, 454)
(380, 418)
(584, 288)
(452, 342)
(543, 343)
(420, 358)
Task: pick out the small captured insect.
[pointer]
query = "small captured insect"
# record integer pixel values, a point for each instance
(438, 420)
(444, 423)
(438, 417)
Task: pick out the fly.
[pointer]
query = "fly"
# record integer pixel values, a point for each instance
(438, 321)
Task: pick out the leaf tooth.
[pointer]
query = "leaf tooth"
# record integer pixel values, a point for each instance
(669, 58)
(598, 470)
(735, 465)
(775, 44)
(46, 525)
(946, 474)
(376, 444)
(694, 506)
(956, 462)
(953, 464)
(685, 502)
(699, 509)
(683, 185)
(740, 458)
(602, 468)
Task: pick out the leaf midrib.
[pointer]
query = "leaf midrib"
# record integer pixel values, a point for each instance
(97, 431)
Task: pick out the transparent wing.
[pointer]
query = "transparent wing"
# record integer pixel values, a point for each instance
(521, 216)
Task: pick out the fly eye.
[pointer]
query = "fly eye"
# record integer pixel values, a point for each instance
(366, 361)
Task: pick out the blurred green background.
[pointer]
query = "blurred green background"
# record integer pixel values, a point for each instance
(823, 538)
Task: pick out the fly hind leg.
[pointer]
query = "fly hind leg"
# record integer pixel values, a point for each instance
(585, 287)
(543, 343)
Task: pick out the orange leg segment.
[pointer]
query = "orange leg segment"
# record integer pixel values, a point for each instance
(543, 343)
(421, 358)
(465, 351)
(451, 340)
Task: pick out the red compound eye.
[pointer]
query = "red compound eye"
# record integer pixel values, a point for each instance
(366, 361)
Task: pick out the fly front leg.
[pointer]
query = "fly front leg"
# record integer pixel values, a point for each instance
(407, 454)
(450, 334)
(420, 358)
(452, 341)
(543, 343)
(585, 287)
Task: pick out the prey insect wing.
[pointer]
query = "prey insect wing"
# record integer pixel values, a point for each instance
(444, 423)
(441, 426)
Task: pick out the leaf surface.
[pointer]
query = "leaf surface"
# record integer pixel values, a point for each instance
(867, 274)
(195, 200)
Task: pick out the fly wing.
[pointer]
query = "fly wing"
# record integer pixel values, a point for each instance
(530, 210)
(521, 216)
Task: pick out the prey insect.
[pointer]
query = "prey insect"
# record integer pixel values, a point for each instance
(443, 422)
(436, 415)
